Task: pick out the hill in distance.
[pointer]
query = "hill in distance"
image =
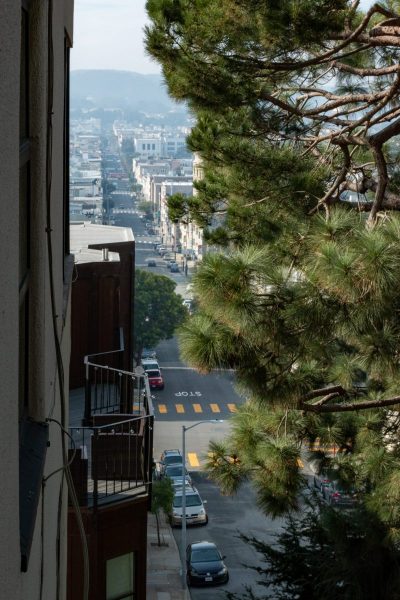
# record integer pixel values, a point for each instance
(121, 89)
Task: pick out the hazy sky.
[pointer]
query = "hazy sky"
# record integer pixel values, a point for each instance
(108, 34)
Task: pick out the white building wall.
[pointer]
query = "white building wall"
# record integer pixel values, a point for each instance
(170, 232)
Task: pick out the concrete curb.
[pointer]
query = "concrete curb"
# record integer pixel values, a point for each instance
(163, 563)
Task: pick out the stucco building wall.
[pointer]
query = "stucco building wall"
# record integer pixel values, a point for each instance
(43, 398)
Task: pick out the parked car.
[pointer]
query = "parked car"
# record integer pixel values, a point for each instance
(324, 478)
(187, 303)
(149, 353)
(150, 364)
(161, 250)
(205, 564)
(151, 262)
(174, 472)
(195, 511)
(170, 457)
(336, 494)
(155, 378)
(174, 268)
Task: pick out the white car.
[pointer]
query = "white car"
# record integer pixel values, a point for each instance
(150, 364)
(195, 511)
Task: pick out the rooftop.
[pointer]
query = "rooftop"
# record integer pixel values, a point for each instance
(83, 235)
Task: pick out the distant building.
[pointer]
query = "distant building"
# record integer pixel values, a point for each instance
(170, 231)
(149, 146)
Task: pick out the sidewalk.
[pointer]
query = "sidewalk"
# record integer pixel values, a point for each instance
(163, 564)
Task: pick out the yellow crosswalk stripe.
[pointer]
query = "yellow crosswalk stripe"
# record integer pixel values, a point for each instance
(232, 407)
(197, 408)
(180, 408)
(300, 463)
(162, 408)
(193, 460)
(215, 408)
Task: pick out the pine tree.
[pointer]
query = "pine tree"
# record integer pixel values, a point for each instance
(297, 109)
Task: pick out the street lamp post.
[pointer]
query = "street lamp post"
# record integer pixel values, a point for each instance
(183, 539)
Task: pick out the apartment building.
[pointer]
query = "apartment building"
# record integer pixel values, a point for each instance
(35, 275)
(169, 230)
(111, 421)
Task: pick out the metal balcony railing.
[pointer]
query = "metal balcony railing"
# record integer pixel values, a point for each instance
(109, 389)
(111, 461)
(111, 453)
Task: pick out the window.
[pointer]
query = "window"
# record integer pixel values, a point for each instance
(153, 146)
(143, 146)
(120, 574)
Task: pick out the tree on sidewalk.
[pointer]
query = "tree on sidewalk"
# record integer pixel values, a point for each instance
(158, 309)
(161, 500)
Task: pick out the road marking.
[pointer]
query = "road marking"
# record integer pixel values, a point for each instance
(180, 408)
(162, 408)
(193, 460)
(215, 408)
(197, 408)
(232, 407)
(300, 463)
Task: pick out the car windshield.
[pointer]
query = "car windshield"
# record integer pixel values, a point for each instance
(153, 373)
(205, 555)
(173, 471)
(148, 366)
(173, 459)
(191, 500)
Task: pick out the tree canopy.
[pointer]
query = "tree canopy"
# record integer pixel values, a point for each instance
(158, 309)
(297, 118)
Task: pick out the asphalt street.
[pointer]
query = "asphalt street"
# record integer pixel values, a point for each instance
(229, 516)
(189, 398)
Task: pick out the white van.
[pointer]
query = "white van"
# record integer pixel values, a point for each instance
(150, 364)
(195, 511)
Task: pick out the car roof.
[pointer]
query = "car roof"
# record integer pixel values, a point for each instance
(189, 491)
(203, 544)
(172, 451)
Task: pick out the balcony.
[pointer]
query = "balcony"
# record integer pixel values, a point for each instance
(111, 435)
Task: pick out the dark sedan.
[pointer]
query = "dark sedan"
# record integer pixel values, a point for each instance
(205, 564)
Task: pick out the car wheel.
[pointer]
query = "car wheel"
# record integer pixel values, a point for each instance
(206, 521)
(315, 482)
(188, 581)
